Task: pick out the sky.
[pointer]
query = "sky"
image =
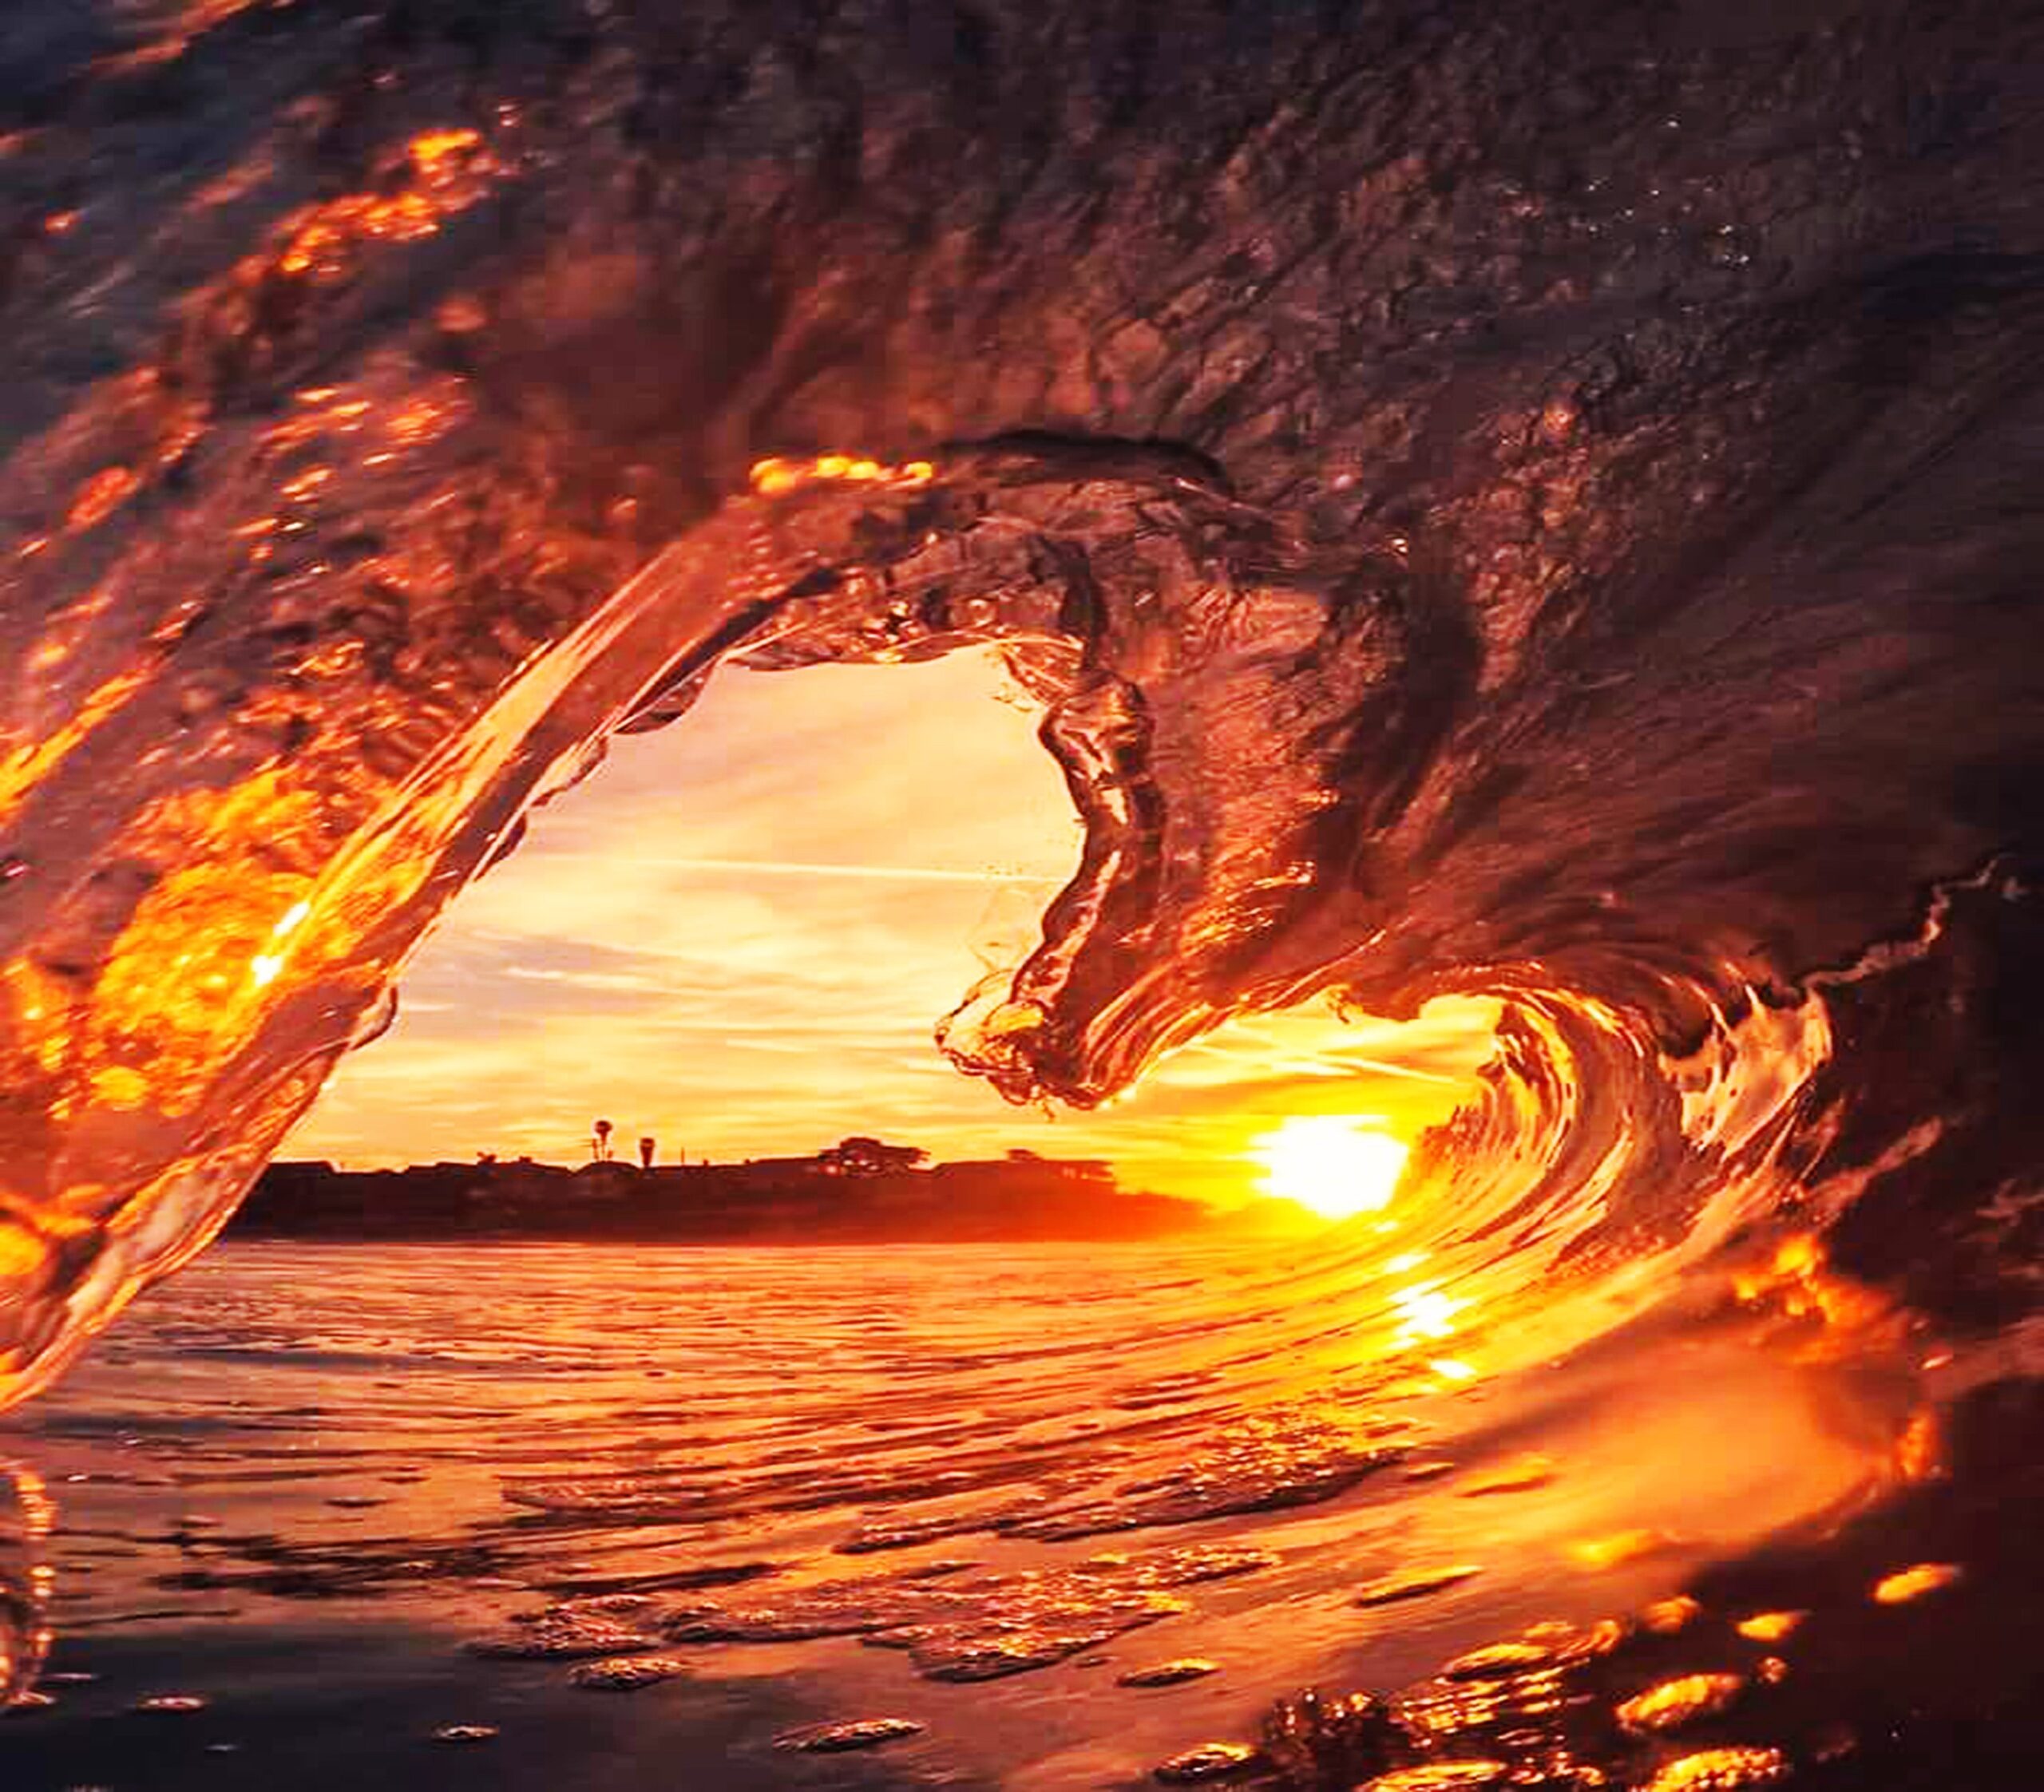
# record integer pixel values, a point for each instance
(736, 936)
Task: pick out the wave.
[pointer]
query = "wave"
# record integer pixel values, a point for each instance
(1483, 509)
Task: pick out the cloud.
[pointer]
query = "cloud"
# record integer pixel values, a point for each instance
(880, 874)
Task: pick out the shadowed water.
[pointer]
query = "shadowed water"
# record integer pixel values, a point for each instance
(1525, 503)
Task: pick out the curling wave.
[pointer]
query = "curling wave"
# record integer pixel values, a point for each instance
(1483, 510)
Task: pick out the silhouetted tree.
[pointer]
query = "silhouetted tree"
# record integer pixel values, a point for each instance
(646, 1147)
(600, 1148)
(861, 1156)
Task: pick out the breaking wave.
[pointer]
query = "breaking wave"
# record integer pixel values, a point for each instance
(1534, 508)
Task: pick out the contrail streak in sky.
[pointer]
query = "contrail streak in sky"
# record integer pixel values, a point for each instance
(791, 867)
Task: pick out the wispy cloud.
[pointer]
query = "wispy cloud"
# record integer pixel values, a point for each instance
(884, 874)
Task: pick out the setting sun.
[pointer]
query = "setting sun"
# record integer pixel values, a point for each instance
(1335, 1164)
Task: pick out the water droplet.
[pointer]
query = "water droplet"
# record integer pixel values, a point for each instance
(1913, 1583)
(626, 1673)
(1498, 1661)
(1169, 1673)
(1207, 1761)
(559, 1636)
(1519, 1477)
(1679, 1701)
(1721, 1770)
(1438, 1776)
(1413, 1584)
(1621, 1547)
(836, 1738)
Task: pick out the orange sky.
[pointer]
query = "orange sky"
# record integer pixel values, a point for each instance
(736, 935)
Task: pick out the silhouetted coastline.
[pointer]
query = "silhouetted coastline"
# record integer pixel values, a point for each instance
(1019, 1198)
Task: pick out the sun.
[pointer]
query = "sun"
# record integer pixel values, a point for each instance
(1335, 1164)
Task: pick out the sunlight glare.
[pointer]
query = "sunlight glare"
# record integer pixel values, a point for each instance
(1334, 1165)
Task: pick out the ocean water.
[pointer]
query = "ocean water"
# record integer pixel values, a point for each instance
(1534, 503)
(348, 1496)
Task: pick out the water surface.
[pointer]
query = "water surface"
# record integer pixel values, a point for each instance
(317, 1488)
